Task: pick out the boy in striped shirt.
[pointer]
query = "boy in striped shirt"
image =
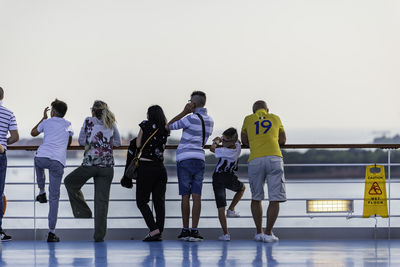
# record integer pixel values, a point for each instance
(197, 128)
(224, 177)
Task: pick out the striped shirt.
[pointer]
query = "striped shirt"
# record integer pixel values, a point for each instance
(228, 158)
(191, 145)
(7, 123)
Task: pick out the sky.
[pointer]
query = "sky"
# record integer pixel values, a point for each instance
(329, 69)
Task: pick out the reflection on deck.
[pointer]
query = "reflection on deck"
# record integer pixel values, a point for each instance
(207, 253)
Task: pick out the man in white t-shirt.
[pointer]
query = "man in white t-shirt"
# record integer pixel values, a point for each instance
(224, 177)
(52, 155)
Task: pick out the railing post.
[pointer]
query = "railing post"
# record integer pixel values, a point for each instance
(389, 179)
(34, 204)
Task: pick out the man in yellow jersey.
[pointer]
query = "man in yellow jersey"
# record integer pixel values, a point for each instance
(263, 132)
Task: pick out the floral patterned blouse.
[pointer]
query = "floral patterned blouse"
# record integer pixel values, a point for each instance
(99, 142)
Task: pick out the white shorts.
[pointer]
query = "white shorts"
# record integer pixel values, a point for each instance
(267, 169)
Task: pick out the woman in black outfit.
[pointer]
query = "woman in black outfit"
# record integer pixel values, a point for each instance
(152, 176)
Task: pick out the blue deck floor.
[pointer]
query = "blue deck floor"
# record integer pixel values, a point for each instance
(207, 253)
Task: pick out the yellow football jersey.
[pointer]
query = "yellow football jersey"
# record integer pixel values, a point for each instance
(262, 129)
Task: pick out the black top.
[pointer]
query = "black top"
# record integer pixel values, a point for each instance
(154, 149)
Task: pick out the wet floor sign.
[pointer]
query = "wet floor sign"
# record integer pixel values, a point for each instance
(375, 199)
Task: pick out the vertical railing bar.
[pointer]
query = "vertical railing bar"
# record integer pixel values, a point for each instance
(34, 203)
(390, 198)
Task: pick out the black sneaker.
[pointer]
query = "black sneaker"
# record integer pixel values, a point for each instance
(52, 238)
(41, 198)
(185, 235)
(153, 238)
(5, 237)
(195, 236)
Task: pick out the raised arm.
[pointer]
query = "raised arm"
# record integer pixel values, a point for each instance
(216, 141)
(189, 108)
(35, 131)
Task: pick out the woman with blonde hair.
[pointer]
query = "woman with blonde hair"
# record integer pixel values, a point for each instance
(99, 135)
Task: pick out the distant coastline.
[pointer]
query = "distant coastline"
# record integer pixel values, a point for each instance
(290, 157)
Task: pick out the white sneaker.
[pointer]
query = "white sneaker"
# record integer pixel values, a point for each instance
(232, 214)
(259, 237)
(270, 238)
(226, 237)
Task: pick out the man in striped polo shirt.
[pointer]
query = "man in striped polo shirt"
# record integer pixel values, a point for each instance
(7, 124)
(190, 157)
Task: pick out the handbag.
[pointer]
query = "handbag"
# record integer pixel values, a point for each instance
(132, 170)
(131, 153)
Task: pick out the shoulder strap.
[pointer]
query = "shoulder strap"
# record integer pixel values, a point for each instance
(203, 127)
(148, 139)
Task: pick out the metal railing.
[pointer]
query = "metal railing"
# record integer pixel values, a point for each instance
(387, 164)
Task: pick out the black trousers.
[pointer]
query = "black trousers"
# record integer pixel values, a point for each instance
(152, 179)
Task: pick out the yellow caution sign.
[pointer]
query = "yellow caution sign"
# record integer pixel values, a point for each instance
(375, 199)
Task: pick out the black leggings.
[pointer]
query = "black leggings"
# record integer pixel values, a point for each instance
(152, 179)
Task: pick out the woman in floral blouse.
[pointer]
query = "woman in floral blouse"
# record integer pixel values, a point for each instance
(99, 135)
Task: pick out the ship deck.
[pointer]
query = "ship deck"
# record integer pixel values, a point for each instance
(206, 253)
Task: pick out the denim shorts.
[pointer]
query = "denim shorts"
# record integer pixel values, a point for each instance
(190, 176)
(222, 181)
(267, 169)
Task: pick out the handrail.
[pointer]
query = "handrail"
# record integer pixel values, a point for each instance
(288, 146)
(173, 200)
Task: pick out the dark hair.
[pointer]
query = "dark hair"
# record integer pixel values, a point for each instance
(1, 93)
(231, 133)
(258, 105)
(59, 107)
(200, 98)
(156, 115)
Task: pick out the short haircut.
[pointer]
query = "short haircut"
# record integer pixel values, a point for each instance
(258, 105)
(1, 93)
(199, 98)
(231, 134)
(59, 107)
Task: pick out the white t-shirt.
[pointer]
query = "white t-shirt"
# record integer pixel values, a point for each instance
(228, 158)
(56, 134)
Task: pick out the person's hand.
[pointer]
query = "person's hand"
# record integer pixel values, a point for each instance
(1, 149)
(45, 113)
(189, 108)
(217, 140)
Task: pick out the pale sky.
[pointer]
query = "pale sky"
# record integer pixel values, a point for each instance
(329, 69)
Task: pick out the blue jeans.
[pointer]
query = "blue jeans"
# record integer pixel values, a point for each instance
(190, 176)
(56, 171)
(3, 170)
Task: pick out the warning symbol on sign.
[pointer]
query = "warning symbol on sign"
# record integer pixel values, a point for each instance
(375, 200)
(375, 189)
